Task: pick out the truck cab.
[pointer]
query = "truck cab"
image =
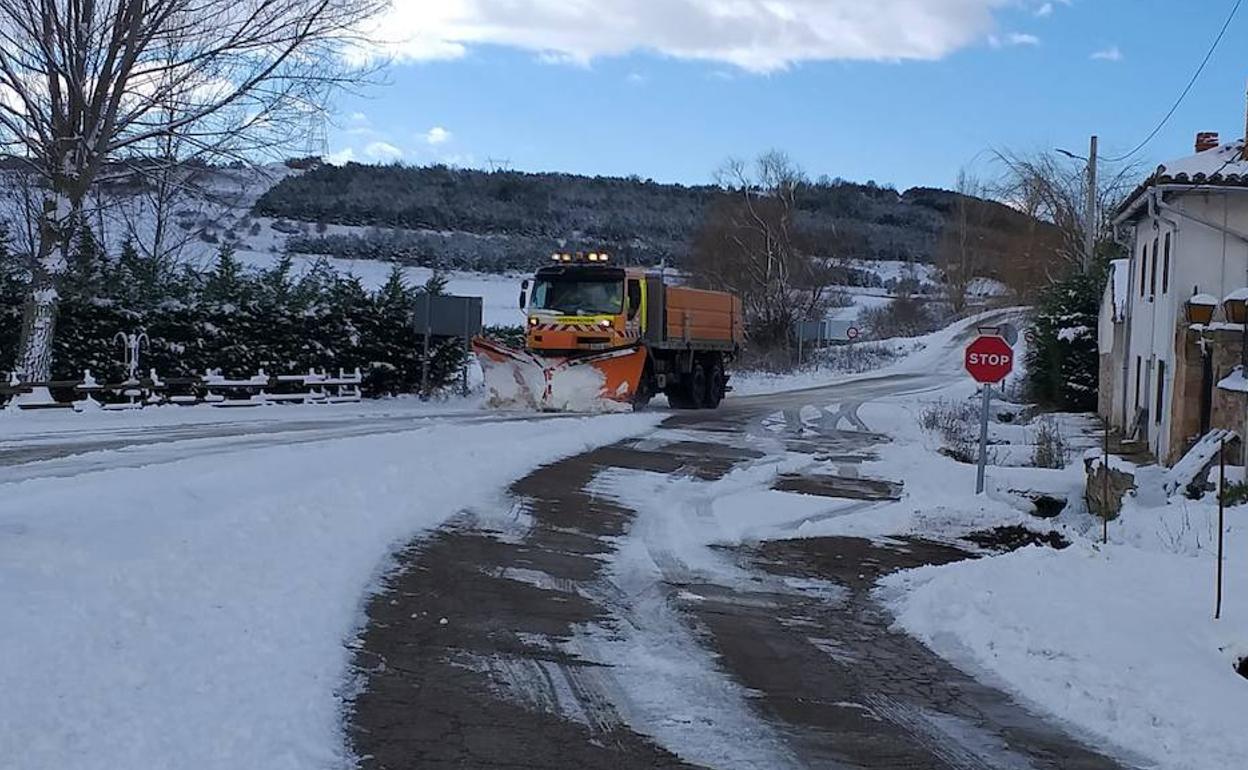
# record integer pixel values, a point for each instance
(584, 303)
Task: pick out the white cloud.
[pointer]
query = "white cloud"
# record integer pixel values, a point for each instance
(341, 157)
(755, 35)
(1045, 10)
(635, 79)
(382, 152)
(437, 135)
(1012, 39)
(1113, 53)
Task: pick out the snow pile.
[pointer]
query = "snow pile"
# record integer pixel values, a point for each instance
(579, 389)
(198, 613)
(1234, 381)
(1116, 640)
(512, 384)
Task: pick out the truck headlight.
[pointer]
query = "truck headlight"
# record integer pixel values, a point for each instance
(532, 321)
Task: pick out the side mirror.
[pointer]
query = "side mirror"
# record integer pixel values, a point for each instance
(524, 294)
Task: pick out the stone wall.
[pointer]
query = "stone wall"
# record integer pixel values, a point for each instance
(1224, 344)
(1104, 495)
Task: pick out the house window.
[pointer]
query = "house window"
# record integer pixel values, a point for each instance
(1143, 268)
(1165, 268)
(1161, 387)
(1139, 367)
(1152, 281)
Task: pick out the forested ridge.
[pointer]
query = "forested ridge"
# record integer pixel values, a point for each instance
(490, 220)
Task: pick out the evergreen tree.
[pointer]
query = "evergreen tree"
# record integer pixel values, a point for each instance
(1062, 360)
(230, 332)
(12, 293)
(436, 283)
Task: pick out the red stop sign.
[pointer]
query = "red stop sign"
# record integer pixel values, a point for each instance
(989, 358)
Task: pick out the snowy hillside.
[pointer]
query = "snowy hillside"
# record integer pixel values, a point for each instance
(206, 209)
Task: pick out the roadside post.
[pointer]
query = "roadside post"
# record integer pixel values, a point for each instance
(989, 359)
(1217, 606)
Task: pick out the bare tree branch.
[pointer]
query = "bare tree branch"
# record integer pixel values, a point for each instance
(86, 85)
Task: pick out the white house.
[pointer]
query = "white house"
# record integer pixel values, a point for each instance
(1186, 228)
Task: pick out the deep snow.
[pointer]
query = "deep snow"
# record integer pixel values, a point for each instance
(198, 613)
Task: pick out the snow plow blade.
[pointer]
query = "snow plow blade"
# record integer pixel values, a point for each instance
(589, 382)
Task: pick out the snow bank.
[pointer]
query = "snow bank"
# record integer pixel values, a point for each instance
(1117, 640)
(197, 614)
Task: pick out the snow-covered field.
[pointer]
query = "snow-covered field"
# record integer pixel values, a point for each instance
(199, 613)
(500, 293)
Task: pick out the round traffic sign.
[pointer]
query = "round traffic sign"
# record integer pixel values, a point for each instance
(989, 359)
(852, 333)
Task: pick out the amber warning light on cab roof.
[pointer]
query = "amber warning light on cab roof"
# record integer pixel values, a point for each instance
(580, 256)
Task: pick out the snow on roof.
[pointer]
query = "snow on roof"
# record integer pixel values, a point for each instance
(1222, 166)
(1237, 296)
(1203, 299)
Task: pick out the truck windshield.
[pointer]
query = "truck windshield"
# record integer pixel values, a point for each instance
(579, 296)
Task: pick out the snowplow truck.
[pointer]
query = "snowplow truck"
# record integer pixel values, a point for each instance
(630, 330)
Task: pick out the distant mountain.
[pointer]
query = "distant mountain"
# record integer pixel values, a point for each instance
(498, 220)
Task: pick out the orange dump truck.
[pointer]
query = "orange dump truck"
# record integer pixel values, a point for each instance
(642, 335)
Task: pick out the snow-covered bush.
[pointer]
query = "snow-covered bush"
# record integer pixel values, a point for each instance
(229, 318)
(1051, 449)
(956, 423)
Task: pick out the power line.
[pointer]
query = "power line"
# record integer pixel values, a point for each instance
(1222, 33)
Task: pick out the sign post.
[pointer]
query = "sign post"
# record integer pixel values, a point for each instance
(989, 359)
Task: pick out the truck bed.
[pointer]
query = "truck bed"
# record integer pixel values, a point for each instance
(702, 318)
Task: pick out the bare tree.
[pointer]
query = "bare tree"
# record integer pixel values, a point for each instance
(961, 254)
(87, 84)
(1053, 189)
(753, 245)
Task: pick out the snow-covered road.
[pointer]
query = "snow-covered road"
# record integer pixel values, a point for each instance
(640, 606)
(185, 603)
(182, 588)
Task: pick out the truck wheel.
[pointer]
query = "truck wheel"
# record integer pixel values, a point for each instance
(716, 385)
(645, 390)
(697, 387)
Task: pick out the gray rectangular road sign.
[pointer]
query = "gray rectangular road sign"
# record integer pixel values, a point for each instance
(446, 315)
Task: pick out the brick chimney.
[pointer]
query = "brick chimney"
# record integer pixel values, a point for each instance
(1207, 140)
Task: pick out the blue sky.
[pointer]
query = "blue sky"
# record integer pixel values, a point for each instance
(907, 94)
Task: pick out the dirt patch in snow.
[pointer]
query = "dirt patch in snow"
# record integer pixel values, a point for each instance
(1014, 537)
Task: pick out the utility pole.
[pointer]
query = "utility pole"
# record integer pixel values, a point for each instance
(1089, 246)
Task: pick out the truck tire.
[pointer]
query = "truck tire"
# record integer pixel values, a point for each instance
(716, 383)
(645, 389)
(698, 386)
